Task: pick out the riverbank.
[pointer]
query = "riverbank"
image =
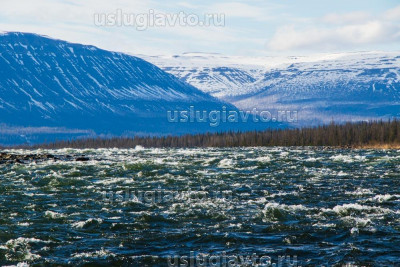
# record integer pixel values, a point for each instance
(379, 146)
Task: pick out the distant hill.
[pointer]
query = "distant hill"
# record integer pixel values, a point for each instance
(59, 89)
(339, 87)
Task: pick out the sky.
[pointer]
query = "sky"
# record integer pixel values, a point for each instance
(245, 28)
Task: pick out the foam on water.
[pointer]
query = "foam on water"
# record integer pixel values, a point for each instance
(275, 200)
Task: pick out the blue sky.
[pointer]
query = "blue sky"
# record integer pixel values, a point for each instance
(254, 27)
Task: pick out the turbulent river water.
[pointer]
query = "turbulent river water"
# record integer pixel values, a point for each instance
(203, 207)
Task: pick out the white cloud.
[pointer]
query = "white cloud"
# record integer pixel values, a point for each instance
(73, 21)
(49, 13)
(338, 32)
(288, 24)
(353, 17)
(393, 14)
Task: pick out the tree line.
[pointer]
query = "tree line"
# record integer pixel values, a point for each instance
(358, 134)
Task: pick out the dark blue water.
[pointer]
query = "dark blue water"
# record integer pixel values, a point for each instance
(206, 207)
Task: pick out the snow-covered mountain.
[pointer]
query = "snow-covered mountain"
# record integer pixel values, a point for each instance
(219, 75)
(49, 85)
(342, 87)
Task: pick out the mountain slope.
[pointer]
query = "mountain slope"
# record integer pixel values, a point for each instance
(342, 87)
(221, 76)
(52, 83)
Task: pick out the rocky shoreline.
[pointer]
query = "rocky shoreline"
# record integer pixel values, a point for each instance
(8, 158)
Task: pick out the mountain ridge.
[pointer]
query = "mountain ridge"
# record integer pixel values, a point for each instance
(343, 86)
(51, 83)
